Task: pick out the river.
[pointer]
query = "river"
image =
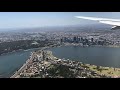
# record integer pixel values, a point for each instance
(103, 56)
(11, 62)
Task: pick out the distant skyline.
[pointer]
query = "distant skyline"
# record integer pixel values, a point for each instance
(42, 19)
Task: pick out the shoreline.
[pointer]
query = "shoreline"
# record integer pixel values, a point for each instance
(27, 62)
(68, 44)
(25, 50)
(111, 46)
(43, 48)
(18, 71)
(108, 71)
(92, 67)
(14, 51)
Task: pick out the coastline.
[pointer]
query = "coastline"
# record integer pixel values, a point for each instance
(52, 46)
(26, 49)
(112, 46)
(66, 44)
(19, 51)
(108, 71)
(26, 63)
(20, 69)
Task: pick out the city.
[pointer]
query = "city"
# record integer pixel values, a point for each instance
(59, 45)
(43, 64)
(61, 37)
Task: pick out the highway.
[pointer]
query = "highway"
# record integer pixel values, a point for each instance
(32, 56)
(23, 67)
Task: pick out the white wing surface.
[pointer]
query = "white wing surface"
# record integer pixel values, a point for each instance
(114, 22)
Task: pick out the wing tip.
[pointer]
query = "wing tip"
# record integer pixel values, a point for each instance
(80, 16)
(76, 16)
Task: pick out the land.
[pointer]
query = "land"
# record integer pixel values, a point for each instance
(91, 35)
(42, 64)
(13, 46)
(107, 71)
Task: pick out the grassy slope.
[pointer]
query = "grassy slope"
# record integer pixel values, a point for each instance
(109, 71)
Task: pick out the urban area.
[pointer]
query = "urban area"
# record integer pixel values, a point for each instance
(43, 64)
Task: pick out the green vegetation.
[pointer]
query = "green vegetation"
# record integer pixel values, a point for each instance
(6, 47)
(61, 70)
(108, 71)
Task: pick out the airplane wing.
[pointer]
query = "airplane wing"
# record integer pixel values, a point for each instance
(114, 22)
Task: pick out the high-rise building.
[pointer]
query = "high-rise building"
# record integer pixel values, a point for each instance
(92, 39)
(81, 39)
(86, 41)
(65, 39)
(61, 40)
(74, 39)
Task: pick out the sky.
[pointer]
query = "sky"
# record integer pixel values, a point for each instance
(42, 19)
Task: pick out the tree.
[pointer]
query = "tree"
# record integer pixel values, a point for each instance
(98, 67)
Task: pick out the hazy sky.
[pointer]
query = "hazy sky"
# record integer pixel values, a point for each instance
(40, 19)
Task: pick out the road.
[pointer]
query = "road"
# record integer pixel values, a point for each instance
(23, 67)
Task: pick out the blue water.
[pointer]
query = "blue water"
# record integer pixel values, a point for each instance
(103, 56)
(11, 62)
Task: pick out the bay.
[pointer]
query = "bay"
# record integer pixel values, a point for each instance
(11, 62)
(102, 56)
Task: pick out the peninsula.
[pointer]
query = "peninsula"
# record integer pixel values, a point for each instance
(42, 64)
